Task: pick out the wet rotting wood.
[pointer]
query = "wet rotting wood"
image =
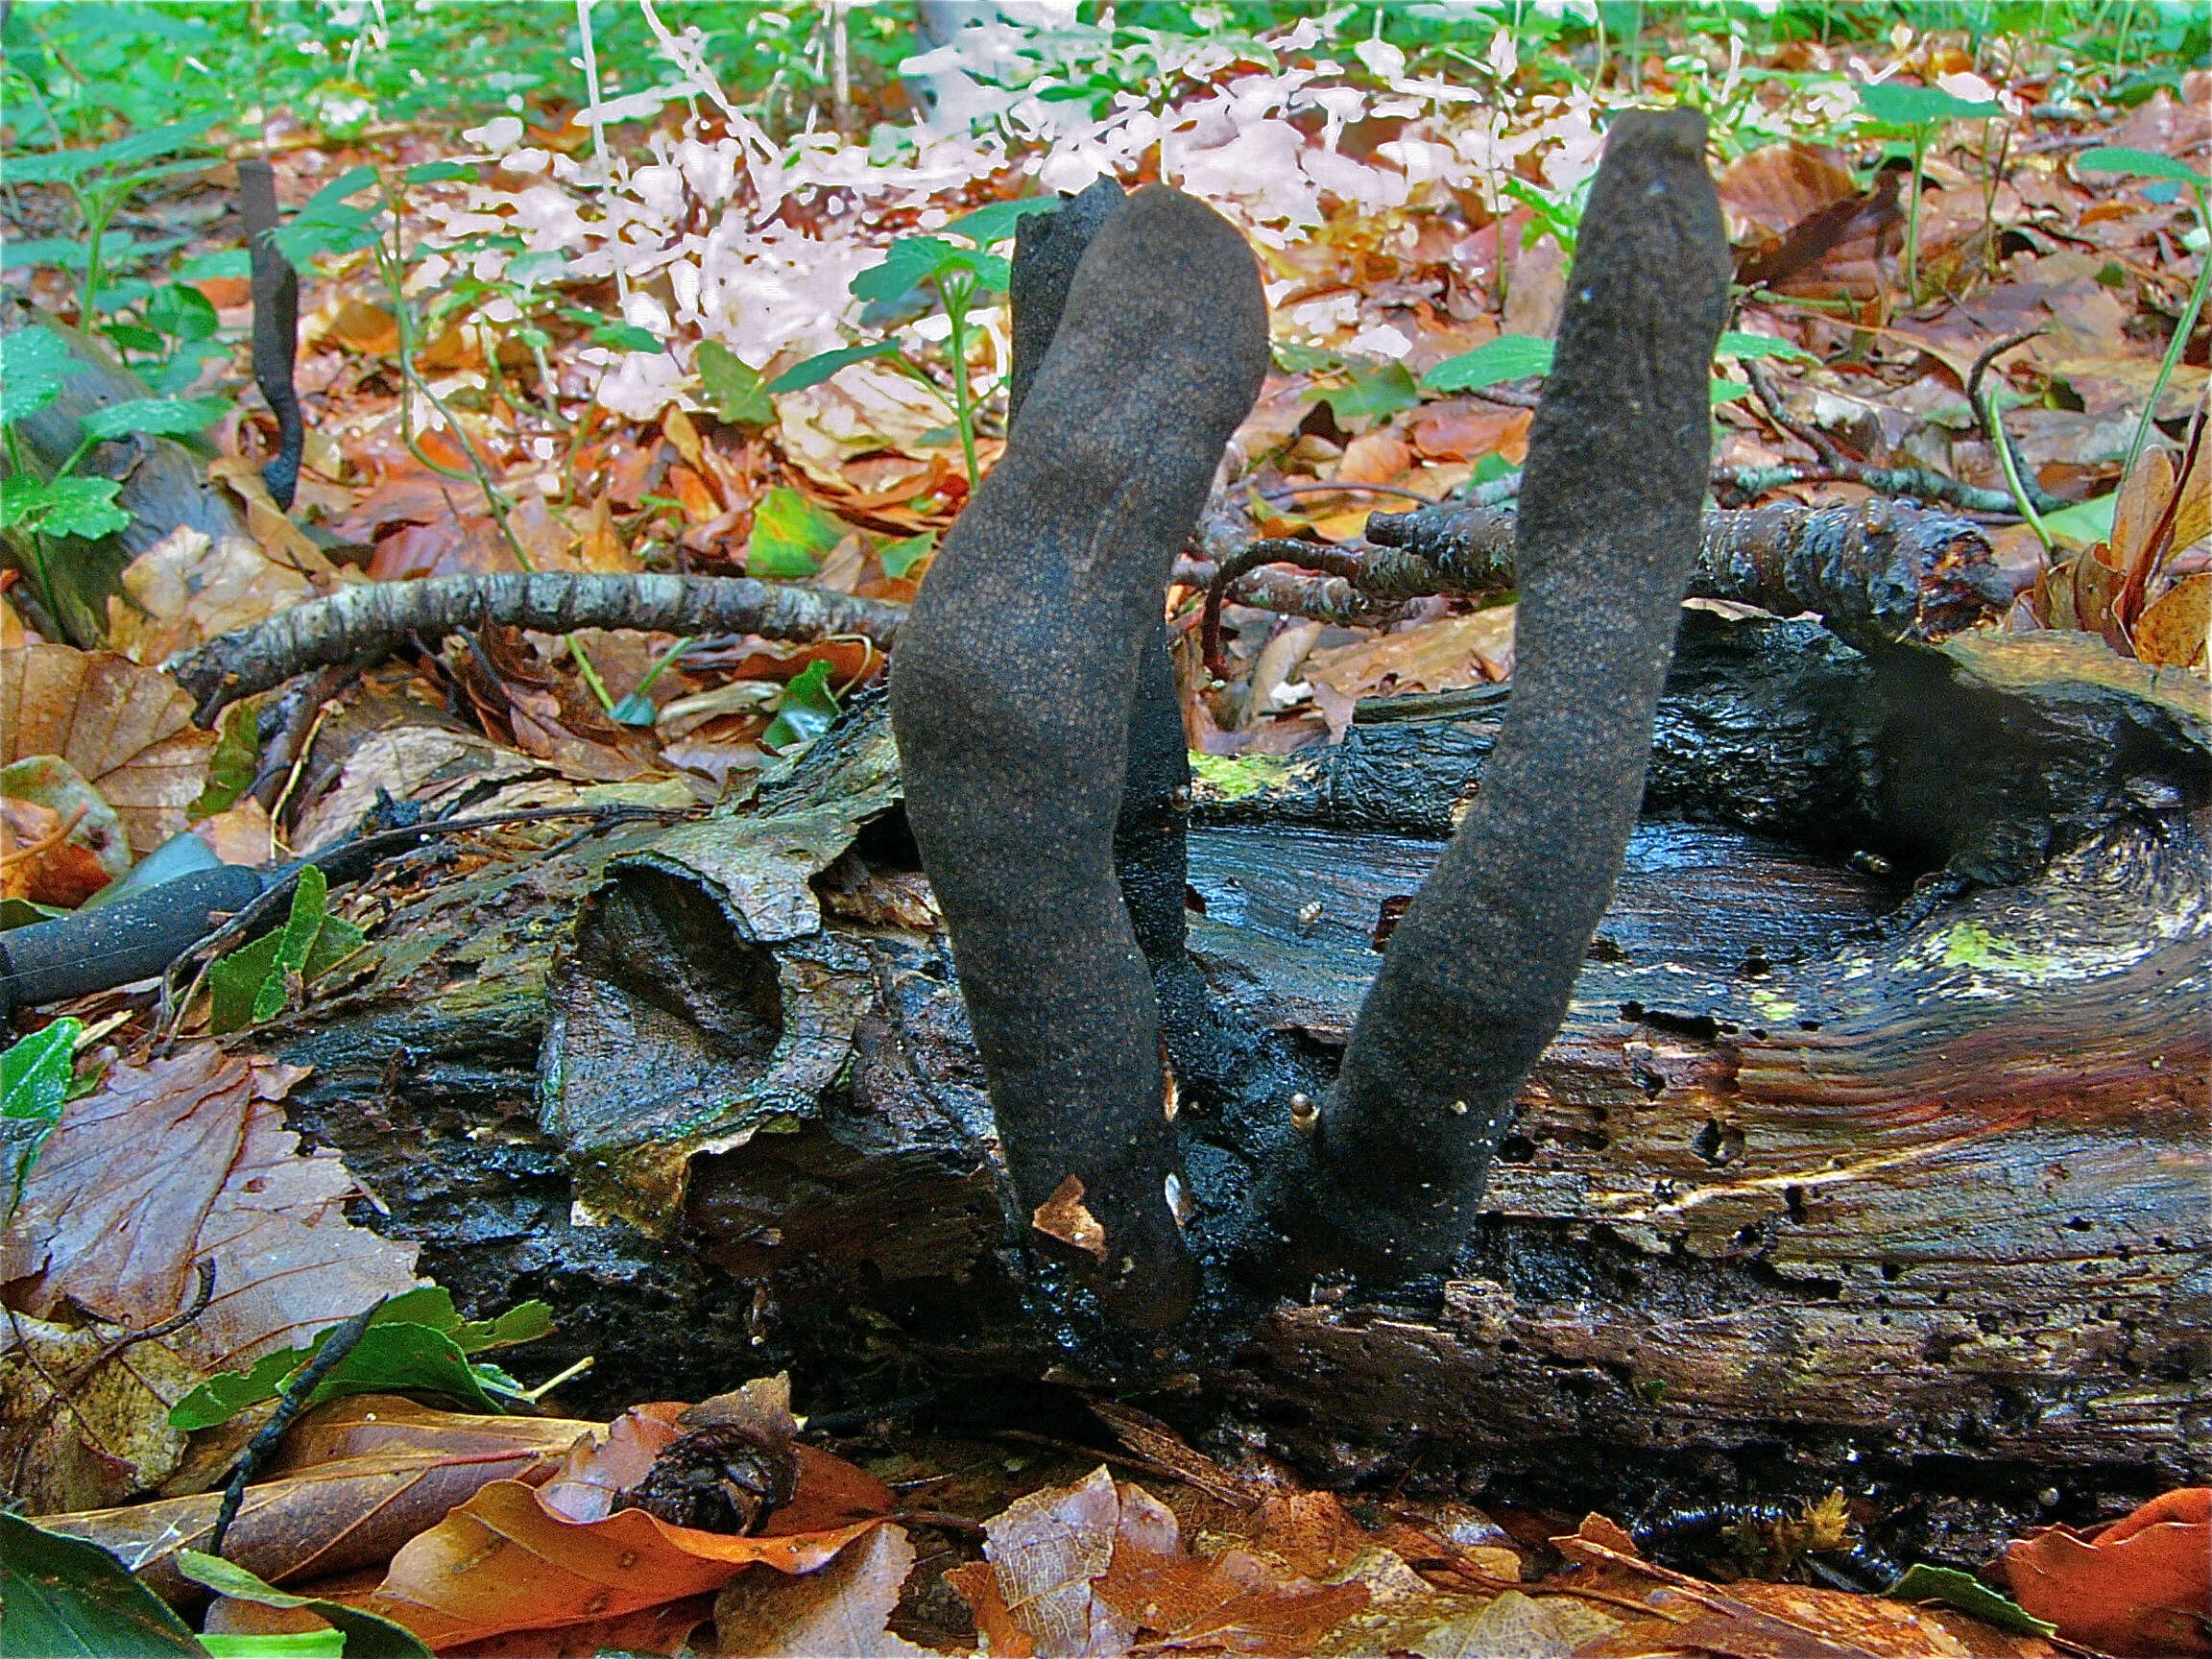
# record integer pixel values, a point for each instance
(1872, 1152)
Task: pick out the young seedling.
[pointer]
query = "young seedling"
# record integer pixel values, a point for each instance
(1914, 113)
(2162, 169)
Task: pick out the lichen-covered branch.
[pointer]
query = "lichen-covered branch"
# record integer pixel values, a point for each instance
(1881, 569)
(365, 622)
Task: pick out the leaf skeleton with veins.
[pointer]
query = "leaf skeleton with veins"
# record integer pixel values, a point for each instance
(1045, 766)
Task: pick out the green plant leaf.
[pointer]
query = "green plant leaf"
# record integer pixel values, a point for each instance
(234, 760)
(999, 221)
(438, 171)
(326, 224)
(790, 533)
(531, 269)
(2083, 524)
(627, 337)
(220, 262)
(1508, 357)
(1734, 344)
(1294, 357)
(66, 1598)
(900, 557)
(71, 506)
(253, 984)
(1719, 390)
(183, 312)
(58, 250)
(414, 1341)
(819, 368)
(910, 261)
(154, 417)
(805, 711)
(2141, 164)
(328, 1644)
(734, 387)
(34, 363)
(1373, 394)
(36, 1074)
(1894, 105)
(1969, 1595)
(234, 983)
(357, 1635)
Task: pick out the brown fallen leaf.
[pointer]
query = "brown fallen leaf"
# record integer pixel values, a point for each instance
(127, 730)
(1064, 1216)
(2173, 629)
(335, 1517)
(844, 1609)
(107, 1436)
(1095, 1568)
(60, 843)
(1448, 653)
(186, 589)
(2141, 1585)
(515, 1557)
(184, 1159)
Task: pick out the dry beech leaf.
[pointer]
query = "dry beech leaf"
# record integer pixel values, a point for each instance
(184, 1159)
(1064, 1218)
(844, 1609)
(110, 1440)
(186, 589)
(2143, 497)
(336, 1516)
(1092, 1567)
(1448, 653)
(515, 1557)
(2173, 630)
(127, 730)
(60, 843)
(2142, 1585)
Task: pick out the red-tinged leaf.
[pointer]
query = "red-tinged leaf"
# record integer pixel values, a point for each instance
(184, 1159)
(2142, 1585)
(505, 1561)
(665, 1629)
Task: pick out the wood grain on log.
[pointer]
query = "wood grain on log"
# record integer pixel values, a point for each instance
(1873, 1147)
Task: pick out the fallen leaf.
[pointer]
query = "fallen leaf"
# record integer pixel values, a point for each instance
(1449, 653)
(127, 730)
(60, 843)
(1063, 1216)
(186, 1158)
(1467, 429)
(109, 1438)
(186, 589)
(843, 1609)
(2142, 1585)
(2173, 629)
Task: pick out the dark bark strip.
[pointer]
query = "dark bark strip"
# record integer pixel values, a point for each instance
(1477, 977)
(1012, 694)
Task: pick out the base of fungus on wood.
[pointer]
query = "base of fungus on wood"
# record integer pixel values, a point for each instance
(1871, 1153)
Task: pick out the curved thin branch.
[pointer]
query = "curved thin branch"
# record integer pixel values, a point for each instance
(367, 621)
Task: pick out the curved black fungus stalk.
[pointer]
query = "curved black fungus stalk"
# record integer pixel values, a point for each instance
(1477, 973)
(1150, 853)
(275, 326)
(1012, 696)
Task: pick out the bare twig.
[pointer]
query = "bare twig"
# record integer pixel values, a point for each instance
(289, 1404)
(365, 622)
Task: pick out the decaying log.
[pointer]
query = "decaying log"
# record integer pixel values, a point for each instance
(1871, 1153)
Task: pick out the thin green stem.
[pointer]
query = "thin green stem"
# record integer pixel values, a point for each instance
(2020, 494)
(591, 675)
(956, 295)
(1912, 220)
(2178, 344)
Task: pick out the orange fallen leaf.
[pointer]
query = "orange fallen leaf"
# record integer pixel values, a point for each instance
(127, 730)
(1064, 1216)
(515, 1557)
(2142, 1585)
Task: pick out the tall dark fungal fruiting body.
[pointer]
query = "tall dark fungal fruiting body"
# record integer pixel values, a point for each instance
(276, 326)
(1477, 973)
(1014, 690)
